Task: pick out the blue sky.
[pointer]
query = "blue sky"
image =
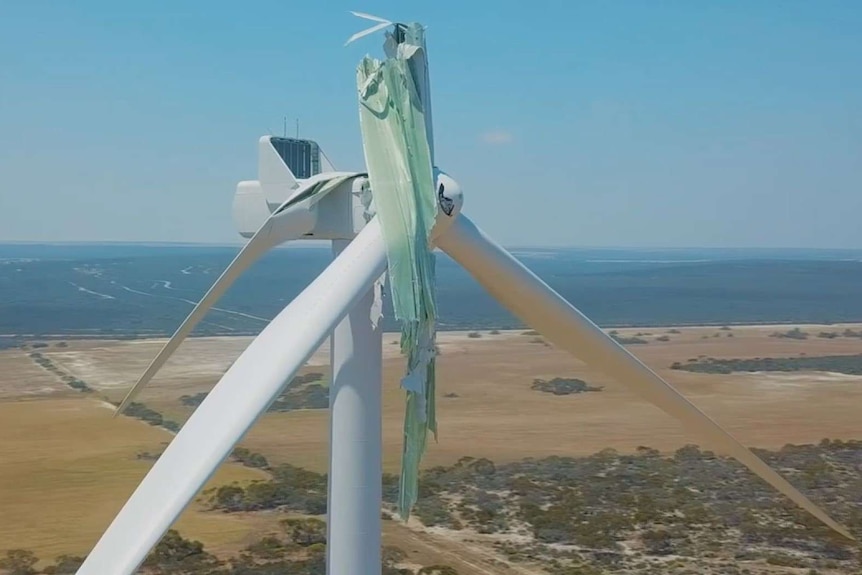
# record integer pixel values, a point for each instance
(583, 123)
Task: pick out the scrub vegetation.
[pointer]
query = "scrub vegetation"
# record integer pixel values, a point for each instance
(688, 512)
(848, 364)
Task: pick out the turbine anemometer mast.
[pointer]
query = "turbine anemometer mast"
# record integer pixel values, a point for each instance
(402, 199)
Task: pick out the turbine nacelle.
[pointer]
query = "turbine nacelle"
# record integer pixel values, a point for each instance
(328, 205)
(337, 215)
(307, 210)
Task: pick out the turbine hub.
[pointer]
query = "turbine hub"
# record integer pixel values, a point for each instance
(450, 199)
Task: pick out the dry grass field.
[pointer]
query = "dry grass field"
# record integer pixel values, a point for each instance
(67, 466)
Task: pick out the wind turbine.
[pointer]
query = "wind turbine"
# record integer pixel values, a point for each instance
(344, 302)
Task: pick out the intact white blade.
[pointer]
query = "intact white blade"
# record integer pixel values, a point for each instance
(368, 31)
(369, 17)
(292, 223)
(243, 393)
(534, 302)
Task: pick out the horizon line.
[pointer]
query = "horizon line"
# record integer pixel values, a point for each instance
(319, 244)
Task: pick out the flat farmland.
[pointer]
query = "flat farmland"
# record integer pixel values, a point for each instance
(68, 465)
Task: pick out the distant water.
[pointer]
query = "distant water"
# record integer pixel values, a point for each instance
(124, 290)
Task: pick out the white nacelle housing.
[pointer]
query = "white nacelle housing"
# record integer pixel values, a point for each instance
(250, 208)
(339, 214)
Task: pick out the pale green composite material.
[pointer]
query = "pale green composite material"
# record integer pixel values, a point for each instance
(394, 117)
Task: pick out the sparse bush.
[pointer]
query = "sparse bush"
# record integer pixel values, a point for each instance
(433, 511)
(785, 561)
(249, 458)
(79, 385)
(290, 487)
(657, 542)
(849, 364)
(171, 425)
(229, 497)
(193, 400)
(794, 333)
(303, 393)
(701, 507)
(438, 570)
(175, 554)
(19, 562)
(390, 555)
(305, 532)
(144, 413)
(629, 340)
(64, 565)
(474, 335)
(267, 549)
(562, 386)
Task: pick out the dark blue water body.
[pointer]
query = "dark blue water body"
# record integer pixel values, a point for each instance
(132, 289)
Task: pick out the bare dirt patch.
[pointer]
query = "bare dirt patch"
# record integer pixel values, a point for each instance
(21, 377)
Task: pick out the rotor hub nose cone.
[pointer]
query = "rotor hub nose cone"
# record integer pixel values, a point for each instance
(450, 200)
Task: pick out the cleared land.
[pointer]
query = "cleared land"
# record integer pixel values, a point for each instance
(68, 467)
(497, 415)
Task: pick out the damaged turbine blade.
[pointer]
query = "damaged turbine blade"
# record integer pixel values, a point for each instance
(396, 138)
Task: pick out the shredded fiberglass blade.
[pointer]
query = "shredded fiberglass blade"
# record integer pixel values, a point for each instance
(395, 121)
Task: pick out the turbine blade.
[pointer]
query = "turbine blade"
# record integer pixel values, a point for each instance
(369, 17)
(290, 223)
(244, 392)
(534, 302)
(367, 31)
(247, 256)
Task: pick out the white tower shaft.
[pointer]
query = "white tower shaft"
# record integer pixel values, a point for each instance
(355, 453)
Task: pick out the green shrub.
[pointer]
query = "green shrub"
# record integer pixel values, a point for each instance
(563, 386)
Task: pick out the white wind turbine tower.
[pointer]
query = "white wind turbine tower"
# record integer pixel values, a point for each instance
(343, 302)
